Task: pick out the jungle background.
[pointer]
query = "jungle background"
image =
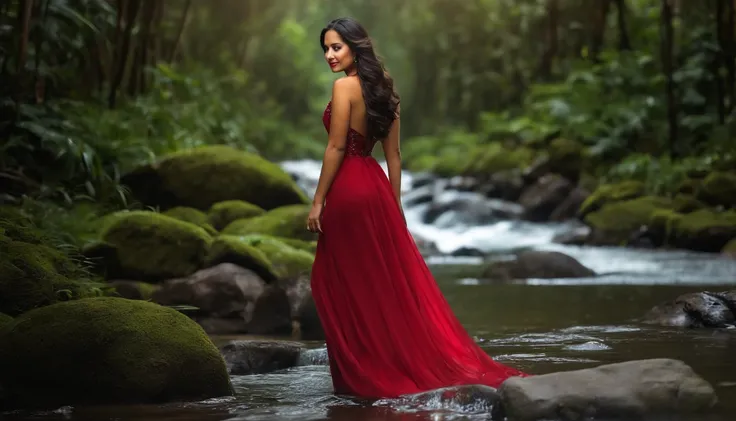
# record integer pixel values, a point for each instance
(92, 88)
(144, 147)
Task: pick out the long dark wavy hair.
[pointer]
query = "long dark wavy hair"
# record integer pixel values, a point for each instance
(381, 100)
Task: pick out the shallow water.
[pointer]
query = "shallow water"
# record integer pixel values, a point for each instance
(540, 326)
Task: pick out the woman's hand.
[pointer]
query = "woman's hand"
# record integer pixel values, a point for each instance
(314, 220)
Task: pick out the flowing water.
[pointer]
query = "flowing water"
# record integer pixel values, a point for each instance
(540, 326)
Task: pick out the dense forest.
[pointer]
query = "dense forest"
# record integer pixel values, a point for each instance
(92, 88)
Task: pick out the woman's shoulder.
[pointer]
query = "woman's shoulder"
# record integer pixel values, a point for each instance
(347, 85)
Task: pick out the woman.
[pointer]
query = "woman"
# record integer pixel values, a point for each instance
(389, 330)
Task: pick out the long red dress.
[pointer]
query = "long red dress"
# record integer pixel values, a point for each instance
(388, 328)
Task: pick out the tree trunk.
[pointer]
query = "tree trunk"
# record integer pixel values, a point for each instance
(124, 51)
(730, 53)
(553, 15)
(667, 47)
(182, 24)
(719, 62)
(624, 42)
(599, 27)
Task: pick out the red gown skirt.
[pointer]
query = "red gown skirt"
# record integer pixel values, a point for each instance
(388, 328)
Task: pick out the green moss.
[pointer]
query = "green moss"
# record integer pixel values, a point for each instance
(286, 221)
(308, 246)
(689, 186)
(729, 249)
(153, 247)
(618, 220)
(662, 224)
(125, 352)
(232, 249)
(566, 157)
(288, 263)
(133, 290)
(35, 275)
(609, 193)
(223, 213)
(19, 227)
(203, 176)
(423, 163)
(685, 203)
(4, 319)
(705, 230)
(494, 157)
(719, 188)
(193, 216)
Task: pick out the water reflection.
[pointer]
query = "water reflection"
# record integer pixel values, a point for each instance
(539, 329)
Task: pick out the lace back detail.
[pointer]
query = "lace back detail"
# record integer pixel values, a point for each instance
(356, 144)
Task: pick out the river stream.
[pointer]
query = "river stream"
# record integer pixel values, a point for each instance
(539, 326)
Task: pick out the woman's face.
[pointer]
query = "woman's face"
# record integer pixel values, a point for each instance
(337, 53)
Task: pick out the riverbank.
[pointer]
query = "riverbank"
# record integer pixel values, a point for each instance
(223, 242)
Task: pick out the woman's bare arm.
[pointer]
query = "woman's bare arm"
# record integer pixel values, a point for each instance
(392, 151)
(335, 150)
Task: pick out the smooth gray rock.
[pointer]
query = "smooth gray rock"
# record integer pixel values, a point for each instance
(630, 389)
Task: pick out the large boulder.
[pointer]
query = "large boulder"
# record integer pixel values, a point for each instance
(537, 265)
(257, 357)
(542, 198)
(153, 247)
(633, 389)
(618, 222)
(193, 216)
(609, 193)
(229, 299)
(223, 213)
(566, 157)
(203, 176)
(289, 266)
(34, 273)
(107, 350)
(704, 230)
(719, 189)
(285, 221)
(238, 251)
(695, 310)
(730, 248)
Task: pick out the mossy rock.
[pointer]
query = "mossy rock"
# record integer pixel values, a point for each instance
(193, 216)
(19, 227)
(615, 222)
(719, 188)
(689, 186)
(705, 230)
(308, 246)
(233, 249)
(105, 351)
(203, 176)
(134, 290)
(610, 193)
(729, 249)
(288, 262)
(566, 157)
(153, 247)
(494, 158)
(685, 203)
(662, 224)
(223, 213)
(36, 275)
(286, 221)
(5, 319)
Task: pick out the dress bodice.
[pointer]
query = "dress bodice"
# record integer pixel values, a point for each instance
(356, 144)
